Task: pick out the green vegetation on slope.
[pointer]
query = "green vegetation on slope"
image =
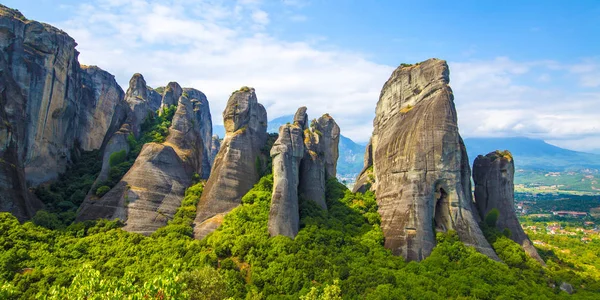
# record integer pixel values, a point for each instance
(337, 253)
(65, 195)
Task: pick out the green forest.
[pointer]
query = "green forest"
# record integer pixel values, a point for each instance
(337, 254)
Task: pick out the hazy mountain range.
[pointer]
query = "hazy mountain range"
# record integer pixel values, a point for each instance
(529, 154)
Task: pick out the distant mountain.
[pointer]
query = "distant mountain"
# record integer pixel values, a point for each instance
(533, 154)
(350, 161)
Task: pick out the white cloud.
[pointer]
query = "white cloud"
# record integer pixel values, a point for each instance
(219, 46)
(491, 102)
(170, 41)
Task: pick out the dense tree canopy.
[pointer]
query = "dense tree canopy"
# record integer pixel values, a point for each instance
(337, 253)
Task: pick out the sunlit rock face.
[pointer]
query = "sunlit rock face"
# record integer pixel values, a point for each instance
(234, 171)
(420, 166)
(150, 193)
(49, 106)
(287, 152)
(493, 175)
(302, 157)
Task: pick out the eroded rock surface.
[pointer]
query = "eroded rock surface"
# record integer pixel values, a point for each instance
(152, 190)
(300, 157)
(420, 163)
(50, 104)
(215, 146)
(234, 171)
(365, 180)
(287, 152)
(104, 112)
(493, 175)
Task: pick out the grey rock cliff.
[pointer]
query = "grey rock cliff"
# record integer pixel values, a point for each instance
(50, 104)
(420, 163)
(215, 146)
(300, 166)
(287, 152)
(493, 175)
(152, 190)
(104, 111)
(234, 170)
(330, 136)
(205, 128)
(365, 179)
(172, 93)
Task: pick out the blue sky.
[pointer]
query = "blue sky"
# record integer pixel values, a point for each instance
(518, 68)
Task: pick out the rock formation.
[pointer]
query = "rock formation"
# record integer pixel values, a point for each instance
(205, 128)
(105, 113)
(215, 146)
(365, 180)
(234, 170)
(302, 158)
(50, 104)
(287, 152)
(420, 164)
(152, 190)
(329, 131)
(493, 175)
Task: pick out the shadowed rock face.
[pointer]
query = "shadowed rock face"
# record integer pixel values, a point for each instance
(136, 108)
(420, 163)
(172, 93)
(300, 168)
(288, 150)
(152, 190)
(49, 104)
(364, 180)
(214, 149)
(105, 112)
(203, 109)
(234, 170)
(330, 139)
(493, 175)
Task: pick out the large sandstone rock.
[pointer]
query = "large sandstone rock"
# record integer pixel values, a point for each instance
(14, 194)
(300, 157)
(152, 190)
(172, 93)
(234, 170)
(104, 111)
(51, 104)
(287, 152)
(321, 142)
(493, 175)
(203, 109)
(215, 146)
(137, 107)
(365, 179)
(330, 136)
(420, 163)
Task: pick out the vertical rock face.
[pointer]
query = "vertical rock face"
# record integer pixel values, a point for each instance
(202, 108)
(420, 163)
(493, 175)
(42, 61)
(364, 181)
(288, 150)
(215, 146)
(320, 158)
(104, 96)
(49, 105)
(300, 157)
(172, 93)
(330, 131)
(234, 171)
(152, 190)
(135, 109)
